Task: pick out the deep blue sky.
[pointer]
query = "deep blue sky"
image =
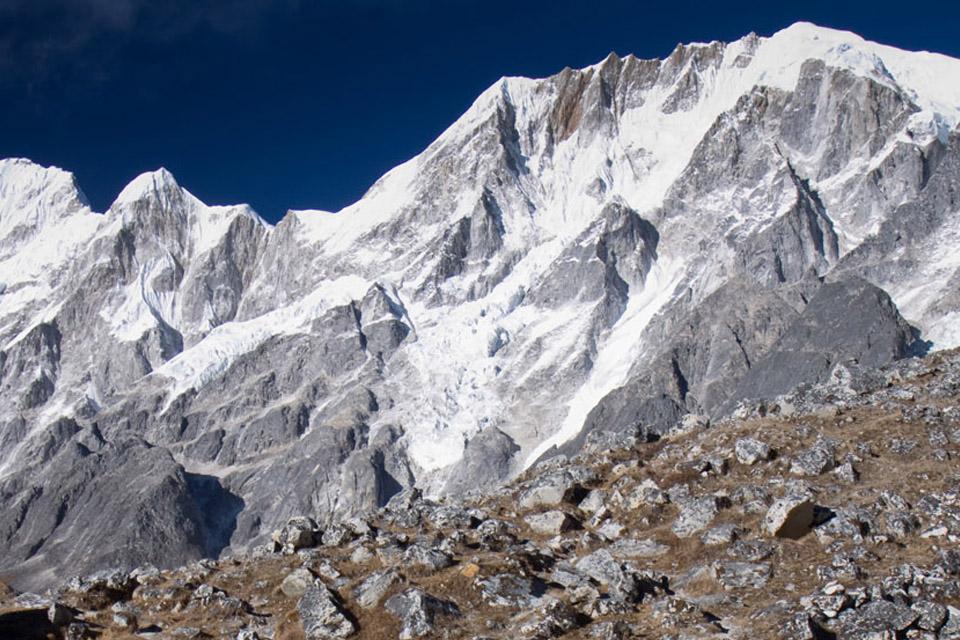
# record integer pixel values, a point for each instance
(299, 104)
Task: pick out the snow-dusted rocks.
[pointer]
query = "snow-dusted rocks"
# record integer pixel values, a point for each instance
(578, 259)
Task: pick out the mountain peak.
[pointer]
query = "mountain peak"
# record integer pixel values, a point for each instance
(31, 195)
(810, 30)
(147, 184)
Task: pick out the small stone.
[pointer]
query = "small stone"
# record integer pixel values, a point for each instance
(470, 570)
(337, 535)
(647, 493)
(694, 422)
(550, 491)
(613, 630)
(606, 570)
(879, 615)
(902, 446)
(900, 524)
(750, 550)
(593, 502)
(361, 555)
(610, 530)
(631, 548)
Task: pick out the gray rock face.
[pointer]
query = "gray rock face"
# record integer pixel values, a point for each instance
(556, 277)
(487, 457)
(849, 320)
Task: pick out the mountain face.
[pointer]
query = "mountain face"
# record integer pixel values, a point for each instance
(599, 252)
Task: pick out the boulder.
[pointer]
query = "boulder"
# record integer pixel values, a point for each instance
(877, 616)
(321, 615)
(549, 491)
(297, 582)
(371, 591)
(721, 534)
(742, 575)
(299, 533)
(631, 548)
(695, 515)
(932, 615)
(749, 451)
(551, 523)
(417, 611)
(418, 555)
(814, 461)
(789, 517)
(507, 590)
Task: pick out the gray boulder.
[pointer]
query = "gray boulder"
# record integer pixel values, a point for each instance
(418, 611)
(321, 615)
(695, 515)
(507, 590)
(374, 587)
(749, 451)
(297, 582)
(551, 523)
(742, 575)
(789, 517)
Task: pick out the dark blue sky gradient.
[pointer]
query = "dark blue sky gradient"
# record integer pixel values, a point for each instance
(297, 104)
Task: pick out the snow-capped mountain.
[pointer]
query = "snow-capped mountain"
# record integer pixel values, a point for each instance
(600, 251)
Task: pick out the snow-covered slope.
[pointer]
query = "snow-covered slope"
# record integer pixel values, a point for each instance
(604, 249)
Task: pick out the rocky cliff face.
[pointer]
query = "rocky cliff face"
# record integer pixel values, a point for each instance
(602, 251)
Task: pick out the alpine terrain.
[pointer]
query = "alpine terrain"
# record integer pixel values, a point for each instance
(585, 258)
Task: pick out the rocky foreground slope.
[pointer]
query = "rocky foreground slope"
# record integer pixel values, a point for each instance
(832, 512)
